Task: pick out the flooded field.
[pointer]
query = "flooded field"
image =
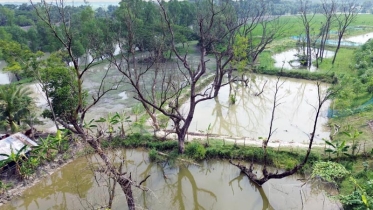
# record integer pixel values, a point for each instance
(215, 185)
(360, 38)
(251, 114)
(288, 59)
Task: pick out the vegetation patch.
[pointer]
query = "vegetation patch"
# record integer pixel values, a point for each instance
(300, 74)
(329, 171)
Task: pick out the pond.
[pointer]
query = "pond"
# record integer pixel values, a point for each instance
(288, 59)
(250, 115)
(215, 185)
(360, 38)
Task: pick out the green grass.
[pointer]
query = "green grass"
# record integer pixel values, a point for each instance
(343, 63)
(217, 149)
(295, 27)
(357, 170)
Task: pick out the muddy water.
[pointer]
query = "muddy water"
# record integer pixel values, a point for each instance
(4, 77)
(251, 114)
(114, 101)
(215, 185)
(288, 59)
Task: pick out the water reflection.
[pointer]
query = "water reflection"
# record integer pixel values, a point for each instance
(57, 190)
(250, 115)
(289, 60)
(214, 185)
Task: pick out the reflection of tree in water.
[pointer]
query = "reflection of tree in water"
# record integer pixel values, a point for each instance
(265, 201)
(72, 181)
(185, 173)
(226, 124)
(173, 187)
(220, 125)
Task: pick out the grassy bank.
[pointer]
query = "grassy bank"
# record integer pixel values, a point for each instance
(299, 74)
(216, 149)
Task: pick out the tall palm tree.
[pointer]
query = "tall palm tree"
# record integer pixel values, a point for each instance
(15, 105)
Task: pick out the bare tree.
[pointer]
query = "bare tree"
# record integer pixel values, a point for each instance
(266, 175)
(146, 75)
(65, 34)
(261, 27)
(306, 17)
(347, 14)
(171, 84)
(329, 10)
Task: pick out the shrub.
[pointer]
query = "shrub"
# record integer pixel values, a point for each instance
(329, 171)
(153, 155)
(195, 151)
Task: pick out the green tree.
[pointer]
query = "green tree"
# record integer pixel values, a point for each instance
(15, 105)
(17, 56)
(6, 16)
(59, 83)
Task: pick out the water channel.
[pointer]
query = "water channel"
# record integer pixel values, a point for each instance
(215, 185)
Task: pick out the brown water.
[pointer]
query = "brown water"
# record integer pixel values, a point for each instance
(250, 116)
(114, 101)
(214, 185)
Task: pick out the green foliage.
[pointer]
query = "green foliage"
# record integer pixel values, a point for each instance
(329, 171)
(232, 99)
(361, 198)
(61, 85)
(18, 57)
(15, 105)
(46, 148)
(154, 156)
(240, 46)
(353, 134)
(18, 157)
(353, 201)
(195, 150)
(320, 76)
(338, 148)
(110, 121)
(4, 187)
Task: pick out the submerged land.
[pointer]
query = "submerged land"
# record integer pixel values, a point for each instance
(266, 112)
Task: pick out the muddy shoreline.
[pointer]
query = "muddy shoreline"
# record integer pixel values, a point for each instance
(43, 171)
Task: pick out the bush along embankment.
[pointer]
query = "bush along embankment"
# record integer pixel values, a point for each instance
(300, 74)
(200, 150)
